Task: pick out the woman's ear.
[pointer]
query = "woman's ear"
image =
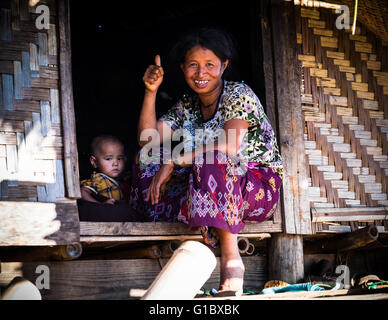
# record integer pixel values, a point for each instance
(181, 65)
(93, 161)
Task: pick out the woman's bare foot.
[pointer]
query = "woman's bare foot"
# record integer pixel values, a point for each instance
(232, 267)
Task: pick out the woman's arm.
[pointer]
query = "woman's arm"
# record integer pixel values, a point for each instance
(153, 78)
(234, 131)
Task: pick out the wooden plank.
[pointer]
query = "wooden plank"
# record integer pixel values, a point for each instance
(45, 117)
(335, 54)
(341, 62)
(43, 49)
(347, 69)
(52, 40)
(26, 73)
(357, 37)
(5, 24)
(315, 72)
(6, 67)
(373, 65)
(18, 80)
(8, 139)
(36, 94)
(27, 105)
(34, 62)
(332, 91)
(46, 83)
(70, 156)
(323, 32)
(129, 278)
(338, 100)
(363, 47)
(360, 86)
(349, 214)
(365, 95)
(34, 223)
(55, 111)
(49, 72)
(158, 228)
(296, 215)
(309, 13)
(12, 159)
(59, 179)
(46, 193)
(347, 218)
(8, 91)
(329, 42)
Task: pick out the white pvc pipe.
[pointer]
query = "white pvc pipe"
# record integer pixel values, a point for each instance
(190, 266)
(21, 289)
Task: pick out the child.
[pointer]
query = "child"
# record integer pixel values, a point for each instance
(108, 158)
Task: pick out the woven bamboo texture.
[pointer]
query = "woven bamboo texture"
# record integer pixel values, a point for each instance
(345, 104)
(31, 143)
(373, 14)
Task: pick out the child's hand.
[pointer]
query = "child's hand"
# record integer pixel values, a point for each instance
(153, 77)
(110, 201)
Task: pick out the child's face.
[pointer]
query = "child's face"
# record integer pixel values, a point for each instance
(109, 159)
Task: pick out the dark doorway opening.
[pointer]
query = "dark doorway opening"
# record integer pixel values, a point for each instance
(113, 43)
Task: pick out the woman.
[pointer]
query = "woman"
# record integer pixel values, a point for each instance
(230, 170)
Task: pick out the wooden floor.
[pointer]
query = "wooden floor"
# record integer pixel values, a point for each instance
(352, 294)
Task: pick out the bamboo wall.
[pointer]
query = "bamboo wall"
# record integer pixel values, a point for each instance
(31, 137)
(344, 93)
(31, 145)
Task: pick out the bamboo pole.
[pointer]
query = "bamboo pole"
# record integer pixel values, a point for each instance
(345, 241)
(45, 253)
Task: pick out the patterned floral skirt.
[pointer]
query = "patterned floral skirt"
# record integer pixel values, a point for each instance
(214, 193)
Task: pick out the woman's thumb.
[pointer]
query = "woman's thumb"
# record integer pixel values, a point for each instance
(157, 60)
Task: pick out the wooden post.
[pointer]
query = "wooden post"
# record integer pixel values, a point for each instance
(296, 207)
(285, 258)
(285, 251)
(70, 156)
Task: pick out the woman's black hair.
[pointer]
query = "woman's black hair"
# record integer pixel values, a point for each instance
(214, 39)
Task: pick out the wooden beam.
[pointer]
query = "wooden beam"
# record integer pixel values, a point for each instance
(162, 229)
(349, 214)
(344, 242)
(296, 209)
(38, 223)
(67, 103)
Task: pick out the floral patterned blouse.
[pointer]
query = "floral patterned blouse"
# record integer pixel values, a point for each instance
(237, 101)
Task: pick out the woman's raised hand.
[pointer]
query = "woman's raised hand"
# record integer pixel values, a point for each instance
(153, 77)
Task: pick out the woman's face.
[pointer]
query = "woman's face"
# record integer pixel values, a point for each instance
(203, 70)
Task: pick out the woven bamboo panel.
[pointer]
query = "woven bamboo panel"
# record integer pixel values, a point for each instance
(345, 103)
(31, 143)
